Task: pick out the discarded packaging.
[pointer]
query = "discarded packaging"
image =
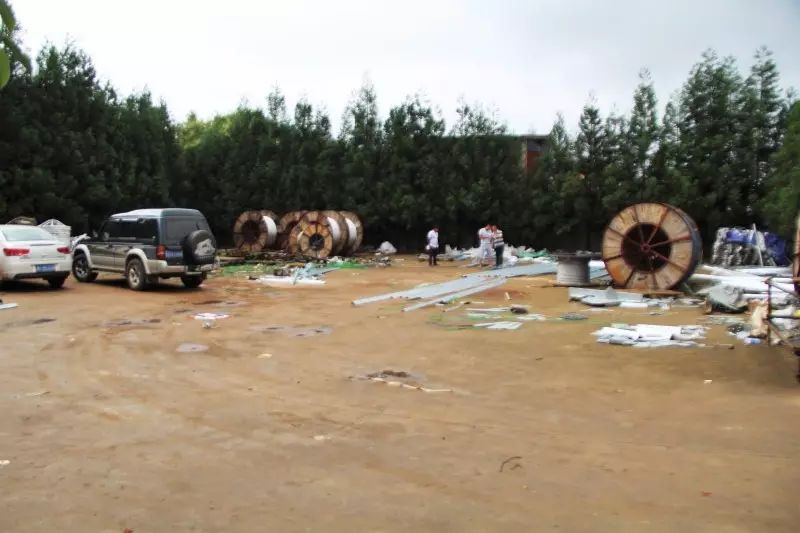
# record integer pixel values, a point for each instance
(650, 335)
(386, 248)
(499, 325)
(210, 316)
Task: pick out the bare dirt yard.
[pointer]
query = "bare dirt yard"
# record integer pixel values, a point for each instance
(107, 426)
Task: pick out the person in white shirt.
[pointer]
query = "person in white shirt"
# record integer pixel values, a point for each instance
(485, 250)
(433, 246)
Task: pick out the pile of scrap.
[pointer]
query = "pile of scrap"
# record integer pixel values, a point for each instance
(748, 246)
(433, 293)
(650, 335)
(310, 234)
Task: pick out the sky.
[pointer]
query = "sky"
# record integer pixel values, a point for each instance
(526, 60)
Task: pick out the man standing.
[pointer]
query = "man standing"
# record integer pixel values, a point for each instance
(485, 238)
(433, 246)
(499, 245)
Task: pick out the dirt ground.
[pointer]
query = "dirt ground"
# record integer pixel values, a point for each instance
(106, 426)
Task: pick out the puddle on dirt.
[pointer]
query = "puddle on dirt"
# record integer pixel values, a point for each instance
(293, 331)
(123, 323)
(190, 347)
(23, 323)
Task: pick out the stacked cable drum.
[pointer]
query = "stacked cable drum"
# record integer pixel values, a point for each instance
(255, 231)
(313, 234)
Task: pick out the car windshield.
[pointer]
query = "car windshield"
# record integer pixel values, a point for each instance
(177, 228)
(25, 233)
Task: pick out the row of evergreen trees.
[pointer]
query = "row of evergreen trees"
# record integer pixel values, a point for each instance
(726, 150)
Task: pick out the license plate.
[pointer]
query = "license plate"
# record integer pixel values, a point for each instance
(45, 268)
(174, 254)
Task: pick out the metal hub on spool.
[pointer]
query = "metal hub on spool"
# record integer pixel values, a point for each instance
(651, 246)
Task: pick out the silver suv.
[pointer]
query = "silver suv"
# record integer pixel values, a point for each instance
(147, 245)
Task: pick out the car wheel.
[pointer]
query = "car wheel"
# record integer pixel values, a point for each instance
(81, 269)
(57, 283)
(135, 274)
(192, 282)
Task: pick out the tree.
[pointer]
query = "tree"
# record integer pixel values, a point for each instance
(361, 138)
(760, 123)
(10, 52)
(549, 212)
(708, 125)
(582, 189)
(780, 204)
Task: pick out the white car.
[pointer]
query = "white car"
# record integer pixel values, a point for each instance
(31, 252)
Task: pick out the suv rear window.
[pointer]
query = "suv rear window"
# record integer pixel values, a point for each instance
(176, 228)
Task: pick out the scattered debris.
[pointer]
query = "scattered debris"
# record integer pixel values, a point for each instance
(758, 321)
(573, 316)
(725, 298)
(408, 380)
(650, 335)
(386, 248)
(264, 356)
(7, 306)
(740, 246)
(293, 331)
(519, 309)
(530, 317)
(499, 325)
(189, 347)
(211, 316)
(4, 462)
(320, 438)
(287, 281)
(633, 305)
(142, 323)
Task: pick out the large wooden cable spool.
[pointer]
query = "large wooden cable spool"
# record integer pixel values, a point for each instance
(651, 246)
(254, 231)
(339, 229)
(355, 233)
(312, 237)
(285, 226)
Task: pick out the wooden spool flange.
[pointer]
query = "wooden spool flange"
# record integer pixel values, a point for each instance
(250, 232)
(651, 246)
(339, 243)
(285, 225)
(354, 242)
(311, 237)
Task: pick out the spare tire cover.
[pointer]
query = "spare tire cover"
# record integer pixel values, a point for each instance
(199, 247)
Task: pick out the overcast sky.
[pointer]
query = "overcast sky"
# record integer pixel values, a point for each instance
(526, 59)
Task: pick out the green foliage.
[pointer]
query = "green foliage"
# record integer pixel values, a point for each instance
(11, 56)
(780, 204)
(726, 149)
